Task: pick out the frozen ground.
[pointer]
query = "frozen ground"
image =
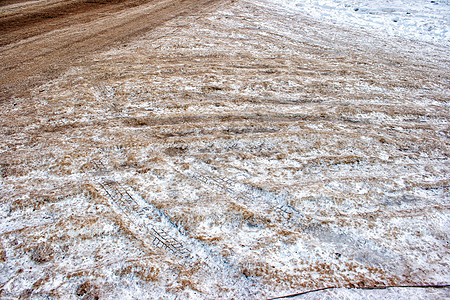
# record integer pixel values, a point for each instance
(248, 152)
(421, 20)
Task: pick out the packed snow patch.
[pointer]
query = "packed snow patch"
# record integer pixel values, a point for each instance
(421, 20)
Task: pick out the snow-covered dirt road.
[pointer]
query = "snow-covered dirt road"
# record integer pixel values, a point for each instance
(246, 151)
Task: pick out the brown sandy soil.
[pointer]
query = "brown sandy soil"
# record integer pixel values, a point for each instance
(40, 39)
(282, 153)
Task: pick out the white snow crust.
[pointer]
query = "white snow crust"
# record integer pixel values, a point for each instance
(421, 20)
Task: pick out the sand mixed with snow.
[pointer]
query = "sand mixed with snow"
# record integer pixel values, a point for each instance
(246, 153)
